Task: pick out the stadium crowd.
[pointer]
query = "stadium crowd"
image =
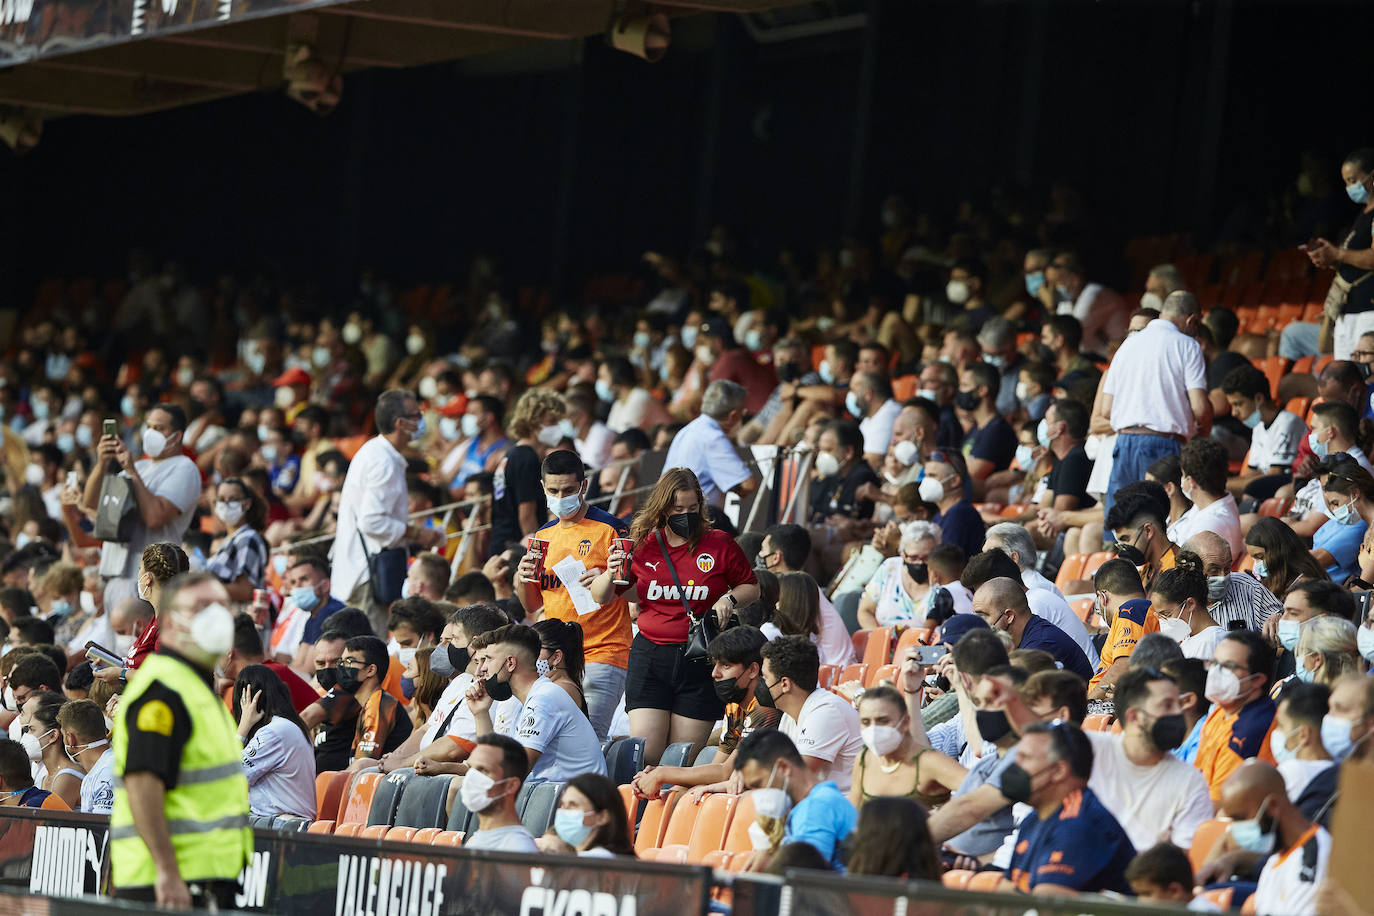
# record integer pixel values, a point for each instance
(1126, 577)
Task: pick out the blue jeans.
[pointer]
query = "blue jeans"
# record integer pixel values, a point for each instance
(603, 686)
(1132, 454)
(1298, 339)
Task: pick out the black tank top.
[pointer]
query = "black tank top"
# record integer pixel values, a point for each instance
(1361, 238)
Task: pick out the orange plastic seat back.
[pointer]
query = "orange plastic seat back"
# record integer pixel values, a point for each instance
(712, 824)
(359, 799)
(1095, 562)
(373, 832)
(881, 673)
(334, 794)
(737, 837)
(717, 858)
(1071, 569)
(426, 835)
(879, 649)
(853, 673)
(825, 675)
(654, 820)
(1204, 838)
(681, 823)
(673, 855)
(324, 827)
(400, 834)
(450, 838)
(347, 829)
(627, 796)
(911, 636)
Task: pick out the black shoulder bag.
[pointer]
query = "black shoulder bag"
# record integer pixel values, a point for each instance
(700, 629)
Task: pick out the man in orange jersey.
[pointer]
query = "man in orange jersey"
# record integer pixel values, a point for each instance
(1121, 599)
(580, 535)
(1242, 715)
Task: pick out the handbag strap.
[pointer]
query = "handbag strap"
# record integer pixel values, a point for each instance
(366, 556)
(681, 593)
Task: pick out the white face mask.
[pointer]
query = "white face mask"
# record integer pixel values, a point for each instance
(1174, 628)
(932, 490)
(905, 452)
(1223, 686)
(406, 656)
(229, 513)
(957, 292)
(352, 333)
(565, 507)
(1151, 301)
(881, 739)
(415, 343)
(474, 791)
(284, 397)
(154, 443)
(469, 425)
(827, 465)
(429, 387)
(33, 744)
(123, 643)
(33, 475)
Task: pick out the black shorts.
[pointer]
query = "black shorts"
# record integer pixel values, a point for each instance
(659, 677)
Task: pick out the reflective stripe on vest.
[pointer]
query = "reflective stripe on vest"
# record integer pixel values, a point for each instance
(207, 811)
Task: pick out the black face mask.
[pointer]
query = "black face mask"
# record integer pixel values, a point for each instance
(684, 524)
(1131, 554)
(992, 725)
(919, 573)
(498, 690)
(1016, 784)
(459, 658)
(729, 690)
(327, 678)
(789, 372)
(1168, 732)
(763, 695)
(967, 400)
(349, 679)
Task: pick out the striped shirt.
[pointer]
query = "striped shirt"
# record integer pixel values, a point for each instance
(243, 554)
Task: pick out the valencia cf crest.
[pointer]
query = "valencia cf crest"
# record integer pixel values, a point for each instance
(584, 547)
(705, 562)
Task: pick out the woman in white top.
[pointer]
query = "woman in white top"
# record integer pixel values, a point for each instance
(898, 591)
(42, 738)
(590, 820)
(277, 757)
(1179, 598)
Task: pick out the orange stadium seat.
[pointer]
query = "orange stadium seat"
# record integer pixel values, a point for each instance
(427, 835)
(1275, 506)
(904, 386)
(712, 825)
(881, 673)
(911, 636)
(1204, 838)
(400, 834)
(1084, 607)
(359, 798)
(1096, 722)
(879, 648)
(332, 800)
(1095, 561)
(1014, 510)
(1221, 896)
(1071, 569)
(717, 858)
(681, 822)
(737, 837)
(957, 878)
(1303, 365)
(986, 881)
(325, 827)
(671, 855)
(825, 675)
(627, 795)
(347, 829)
(655, 820)
(450, 838)
(373, 832)
(853, 673)
(860, 640)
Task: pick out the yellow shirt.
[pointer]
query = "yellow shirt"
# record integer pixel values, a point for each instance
(606, 632)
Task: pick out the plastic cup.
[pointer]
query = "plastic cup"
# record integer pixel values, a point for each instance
(627, 545)
(539, 547)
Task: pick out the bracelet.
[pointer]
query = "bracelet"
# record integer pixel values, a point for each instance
(124, 673)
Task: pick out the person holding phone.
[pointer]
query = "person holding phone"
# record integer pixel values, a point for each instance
(166, 487)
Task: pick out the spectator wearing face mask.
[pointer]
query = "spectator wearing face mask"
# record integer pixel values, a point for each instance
(1275, 434)
(944, 486)
(590, 820)
(85, 739)
(870, 402)
(481, 442)
(1349, 497)
(16, 781)
(1178, 597)
(1281, 560)
(1326, 651)
(892, 763)
(1070, 843)
(900, 592)
(1307, 601)
(496, 772)
(705, 444)
(380, 724)
(1296, 741)
(1242, 715)
(812, 807)
(518, 504)
(412, 624)
(990, 443)
(1203, 462)
(558, 740)
(1120, 598)
(995, 563)
(241, 560)
(1231, 596)
(1191, 676)
(307, 607)
(166, 487)
(41, 736)
(997, 339)
(1001, 602)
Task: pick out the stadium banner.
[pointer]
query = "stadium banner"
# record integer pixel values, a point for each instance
(30, 29)
(65, 855)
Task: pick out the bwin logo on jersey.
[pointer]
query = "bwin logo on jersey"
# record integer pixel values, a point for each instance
(658, 592)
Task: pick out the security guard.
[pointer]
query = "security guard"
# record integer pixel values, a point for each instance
(179, 831)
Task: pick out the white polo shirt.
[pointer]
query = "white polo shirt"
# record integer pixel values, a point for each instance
(553, 725)
(1150, 377)
(1220, 516)
(877, 429)
(829, 731)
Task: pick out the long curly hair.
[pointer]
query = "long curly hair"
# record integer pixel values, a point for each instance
(653, 515)
(528, 414)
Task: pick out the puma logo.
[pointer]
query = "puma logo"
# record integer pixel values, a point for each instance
(653, 566)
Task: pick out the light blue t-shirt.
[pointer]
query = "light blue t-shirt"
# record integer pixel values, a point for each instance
(824, 819)
(986, 835)
(1343, 543)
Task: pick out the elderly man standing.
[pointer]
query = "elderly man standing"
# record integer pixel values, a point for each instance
(704, 445)
(373, 504)
(1155, 392)
(1231, 596)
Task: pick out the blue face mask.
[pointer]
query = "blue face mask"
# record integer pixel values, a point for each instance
(1357, 192)
(1262, 570)
(304, 597)
(1249, 835)
(827, 374)
(993, 360)
(1320, 449)
(1253, 420)
(851, 403)
(604, 390)
(83, 436)
(1042, 433)
(1278, 746)
(66, 442)
(420, 430)
(1288, 633)
(1305, 674)
(1345, 515)
(569, 824)
(61, 607)
(127, 406)
(1024, 457)
(1336, 736)
(279, 564)
(1035, 282)
(407, 687)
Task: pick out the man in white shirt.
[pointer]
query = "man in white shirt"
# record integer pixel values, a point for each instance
(704, 445)
(1204, 464)
(496, 771)
(1150, 792)
(373, 507)
(870, 401)
(166, 487)
(1295, 850)
(557, 736)
(785, 548)
(591, 437)
(1296, 740)
(83, 737)
(1274, 438)
(1155, 392)
(824, 727)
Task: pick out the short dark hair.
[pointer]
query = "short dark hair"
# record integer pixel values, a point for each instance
(1223, 323)
(374, 653)
(1138, 502)
(491, 405)
(1191, 676)
(1163, 865)
(984, 376)
(314, 413)
(1133, 688)
(847, 435)
(1067, 742)
(247, 638)
(1072, 414)
(1205, 460)
(986, 566)
(522, 637)
(471, 586)
(1341, 416)
(16, 600)
(1183, 581)
(35, 631)
(419, 614)
(563, 461)
(765, 747)
(738, 646)
(313, 560)
(1260, 659)
(345, 623)
(947, 558)
(1307, 703)
(1061, 688)
(14, 765)
(479, 618)
(1326, 597)
(1067, 327)
(175, 415)
(84, 717)
(978, 651)
(1246, 381)
(634, 438)
(1118, 577)
(515, 763)
(795, 658)
(36, 672)
(793, 541)
(1155, 650)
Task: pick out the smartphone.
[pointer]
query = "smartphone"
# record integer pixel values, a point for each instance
(73, 479)
(110, 428)
(929, 655)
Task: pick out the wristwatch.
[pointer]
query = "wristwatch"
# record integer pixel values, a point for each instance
(123, 674)
(734, 602)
